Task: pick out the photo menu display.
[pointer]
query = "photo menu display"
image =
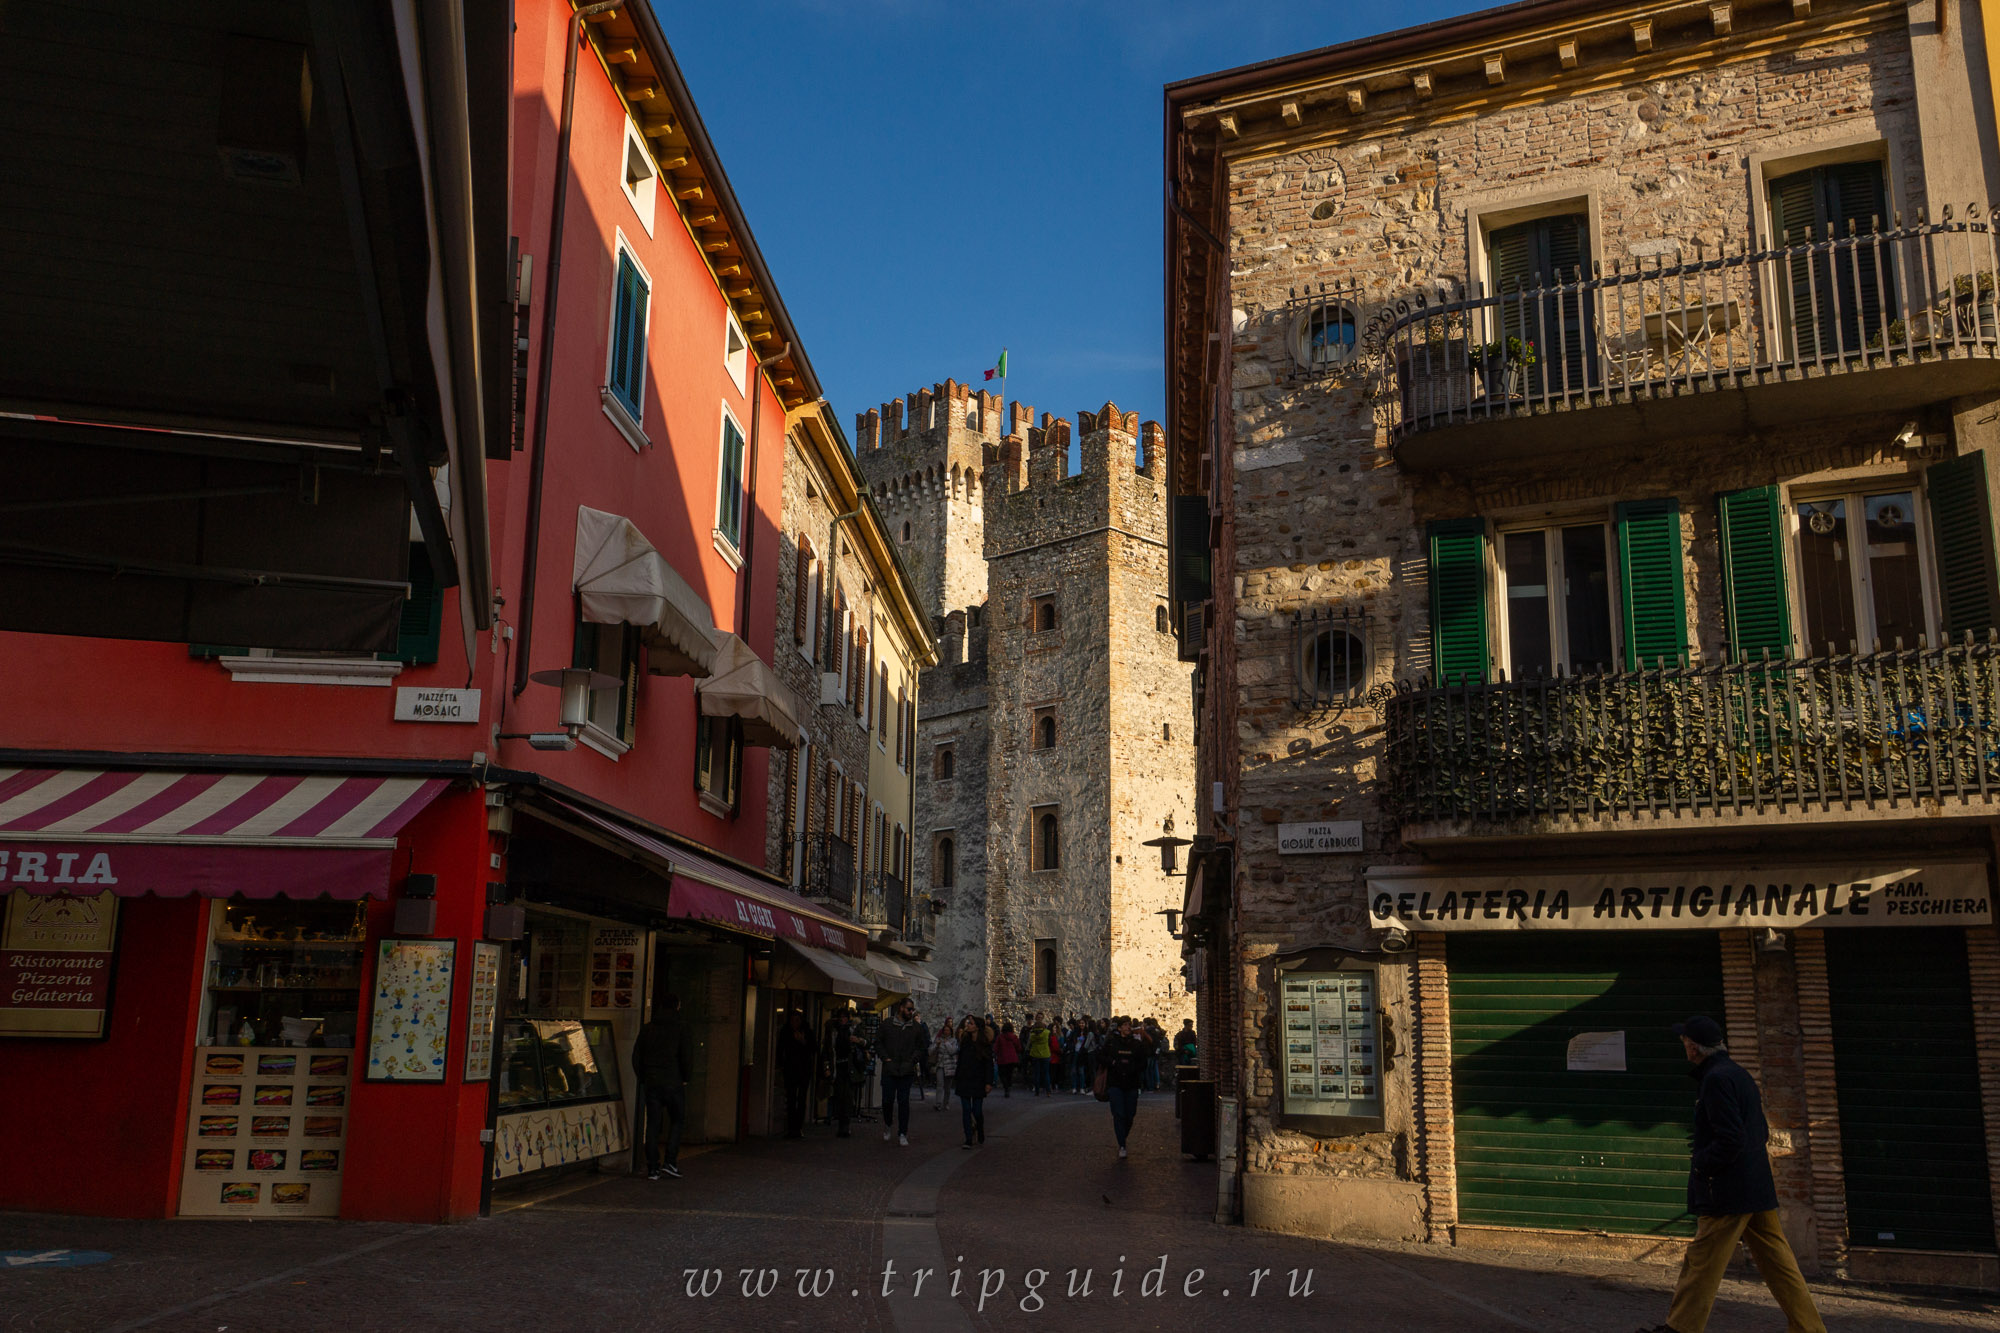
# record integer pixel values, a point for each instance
(1329, 1036)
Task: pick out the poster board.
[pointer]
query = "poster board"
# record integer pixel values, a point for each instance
(614, 968)
(482, 1008)
(410, 1028)
(267, 1131)
(56, 963)
(1331, 1065)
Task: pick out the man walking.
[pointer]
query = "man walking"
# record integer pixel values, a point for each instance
(900, 1044)
(661, 1059)
(842, 1059)
(795, 1066)
(1731, 1192)
(1124, 1058)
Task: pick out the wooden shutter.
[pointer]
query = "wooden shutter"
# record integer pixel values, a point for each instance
(628, 691)
(1458, 600)
(1649, 557)
(1794, 221)
(1542, 253)
(1191, 554)
(1753, 573)
(861, 829)
(801, 589)
(1836, 300)
(421, 621)
(900, 747)
(1962, 531)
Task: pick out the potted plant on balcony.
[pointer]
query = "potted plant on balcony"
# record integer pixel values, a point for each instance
(1972, 305)
(1967, 310)
(1433, 368)
(1503, 367)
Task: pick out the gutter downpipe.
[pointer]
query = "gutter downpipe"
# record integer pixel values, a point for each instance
(531, 545)
(783, 350)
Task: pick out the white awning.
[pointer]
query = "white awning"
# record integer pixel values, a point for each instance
(923, 981)
(821, 969)
(743, 687)
(621, 579)
(893, 982)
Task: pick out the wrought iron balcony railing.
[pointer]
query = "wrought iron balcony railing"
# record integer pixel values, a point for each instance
(1896, 727)
(1813, 305)
(829, 876)
(917, 928)
(883, 901)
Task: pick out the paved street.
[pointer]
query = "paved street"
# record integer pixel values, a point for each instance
(1047, 1192)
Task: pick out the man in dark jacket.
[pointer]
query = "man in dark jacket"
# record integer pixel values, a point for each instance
(1730, 1191)
(843, 1058)
(1124, 1055)
(661, 1059)
(900, 1042)
(796, 1052)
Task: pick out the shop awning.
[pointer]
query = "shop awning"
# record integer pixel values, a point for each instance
(888, 974)
(620, 579)
(263, 835)
(743, 687)
(803, 967)
(922, 980)
(705, 888)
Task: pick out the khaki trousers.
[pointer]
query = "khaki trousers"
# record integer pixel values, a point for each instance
(1708, 1257)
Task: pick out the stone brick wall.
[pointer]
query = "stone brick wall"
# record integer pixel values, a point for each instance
(954, 714)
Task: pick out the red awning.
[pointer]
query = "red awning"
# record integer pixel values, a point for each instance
(706, 889)
(263, 835)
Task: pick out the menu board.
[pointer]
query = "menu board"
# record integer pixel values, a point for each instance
(614, 963)
(267, 1131)
(55, 963)
(1330, 1062)
(485, 1003)
(412, 1020)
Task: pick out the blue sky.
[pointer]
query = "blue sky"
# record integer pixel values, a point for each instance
(931, 182)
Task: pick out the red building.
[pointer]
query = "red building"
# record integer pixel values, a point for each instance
(334, 932)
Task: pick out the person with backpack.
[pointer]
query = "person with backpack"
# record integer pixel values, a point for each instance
(1124, 1073)
(1007, 1055)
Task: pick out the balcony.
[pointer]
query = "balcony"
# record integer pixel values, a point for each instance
(1898, 734)
(884, 902)
(1731, 344)
(917, 928)
(829, 876)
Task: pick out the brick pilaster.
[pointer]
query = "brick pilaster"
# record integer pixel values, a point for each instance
(1436, 1157)
(1739, 1000)
(1982, 951)
(1829, 1182)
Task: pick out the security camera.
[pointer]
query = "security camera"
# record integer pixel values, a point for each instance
(1395, 939)
(551, 740)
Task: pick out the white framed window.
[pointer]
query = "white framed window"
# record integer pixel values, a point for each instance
(729, 491)
(736, 353)
(615, 651)
(1863, 569)
(624, 392)
(640, 178)
(1558, 611)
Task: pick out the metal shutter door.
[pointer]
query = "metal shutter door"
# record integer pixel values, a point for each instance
(1540, 1145)
(1912, 1140)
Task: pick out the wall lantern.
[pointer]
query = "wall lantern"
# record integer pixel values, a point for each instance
(1168, 845)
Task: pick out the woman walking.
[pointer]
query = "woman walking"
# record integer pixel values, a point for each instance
(974, 1060)
(1125, 1066)
(1007, 1054)
(944, 1059)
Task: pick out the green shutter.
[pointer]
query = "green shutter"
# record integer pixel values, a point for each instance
(1649, 557)
(1458, 600)
(422, 620)
(1753, 572)
(1191, 555)
(1962, 528)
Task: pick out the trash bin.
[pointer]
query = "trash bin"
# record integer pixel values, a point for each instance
(1197, 1107)
(1183, 1075)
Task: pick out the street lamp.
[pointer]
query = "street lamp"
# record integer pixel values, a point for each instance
(576, 683)
(1168, 845)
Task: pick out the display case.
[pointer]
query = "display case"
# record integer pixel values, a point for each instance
(1333, 1061)
(290, 970)
(560, 1097)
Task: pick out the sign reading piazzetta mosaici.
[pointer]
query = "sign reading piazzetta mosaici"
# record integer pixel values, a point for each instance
(1718, 898)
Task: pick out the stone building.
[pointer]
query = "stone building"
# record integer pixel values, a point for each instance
(1580, 417)
(1050, 740)
(853, 643)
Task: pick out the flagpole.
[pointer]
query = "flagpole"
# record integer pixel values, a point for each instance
(1004, 419)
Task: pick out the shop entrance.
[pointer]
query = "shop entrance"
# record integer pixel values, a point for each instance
(708, 977)
(1570, 1093)
(1912, 1136)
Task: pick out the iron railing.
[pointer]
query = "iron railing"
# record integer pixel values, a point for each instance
(829, 874)
(1897, 727)
(917, 927)
(1814, 304)
(883, 900)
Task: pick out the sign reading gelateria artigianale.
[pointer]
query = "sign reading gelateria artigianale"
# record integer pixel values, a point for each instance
(1708, 898)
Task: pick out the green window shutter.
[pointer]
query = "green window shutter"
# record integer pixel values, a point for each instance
(628, 334)
(1962, 531)
(1191, 555)
(1753, 572)
(1649, 557)
(1458, 600)
(422, 620)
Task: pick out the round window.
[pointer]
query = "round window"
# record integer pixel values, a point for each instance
(1333, 665)
(1326, 336)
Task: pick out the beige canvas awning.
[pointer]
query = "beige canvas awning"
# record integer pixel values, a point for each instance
(742, 686)
(621, 579)
(923, 981)
(810, 968)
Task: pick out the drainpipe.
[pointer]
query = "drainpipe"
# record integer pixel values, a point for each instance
(531, 544)
(783, 350)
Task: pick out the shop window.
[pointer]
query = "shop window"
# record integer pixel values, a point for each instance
(286, 973)
(1044, 618)
(1048, 838)
(615, 651)
(718, 762)
(944, 864)
(1556, 585)
(945, 766)
(1045, 967)
(556, 1062)
(1861, 578)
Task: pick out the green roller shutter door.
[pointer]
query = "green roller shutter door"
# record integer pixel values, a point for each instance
(1912, 1138)
(1649, 559)
(1541, 1145)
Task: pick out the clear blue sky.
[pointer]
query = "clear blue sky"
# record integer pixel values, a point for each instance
(931, 182)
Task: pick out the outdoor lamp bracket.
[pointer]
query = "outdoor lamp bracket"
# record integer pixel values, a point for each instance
(1169, 846)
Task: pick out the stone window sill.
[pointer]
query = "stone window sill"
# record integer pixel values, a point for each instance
(621, 417)
(715, 805)
(727, 549)
(311, 670)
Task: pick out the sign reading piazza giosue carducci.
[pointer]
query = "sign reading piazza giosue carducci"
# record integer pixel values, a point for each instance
(1952, 893)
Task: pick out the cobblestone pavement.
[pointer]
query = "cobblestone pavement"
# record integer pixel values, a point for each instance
(595, 1252)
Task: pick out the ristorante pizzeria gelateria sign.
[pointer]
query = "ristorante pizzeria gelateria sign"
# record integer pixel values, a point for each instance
(1932, 894)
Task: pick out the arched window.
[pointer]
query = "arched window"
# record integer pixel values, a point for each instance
(1048, 836)
(1045, 733)
(947, 764)
(944, 870)
(1045, 614)
(1159, 614)
(1045, 967)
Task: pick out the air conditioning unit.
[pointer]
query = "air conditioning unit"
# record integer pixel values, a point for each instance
(1194, 630)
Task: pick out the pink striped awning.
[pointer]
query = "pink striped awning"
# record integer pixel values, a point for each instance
(75, 830)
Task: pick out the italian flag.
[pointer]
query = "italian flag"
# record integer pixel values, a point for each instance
(999, 371)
